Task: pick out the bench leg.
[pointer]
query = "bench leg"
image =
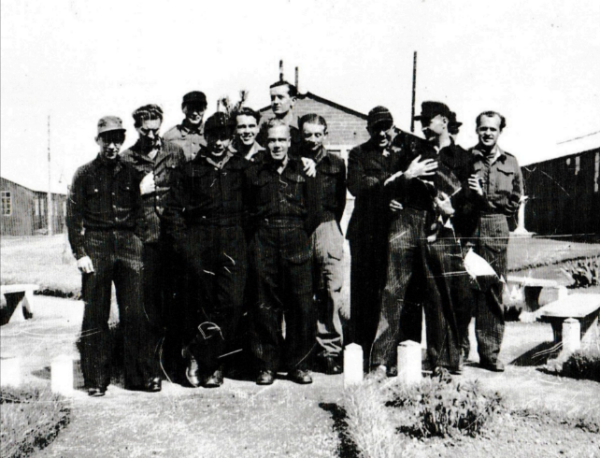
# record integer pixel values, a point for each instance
(16, 301)
(532, 297)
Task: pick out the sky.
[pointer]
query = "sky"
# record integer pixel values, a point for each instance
(537, 62)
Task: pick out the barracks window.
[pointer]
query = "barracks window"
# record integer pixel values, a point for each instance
(6, 203)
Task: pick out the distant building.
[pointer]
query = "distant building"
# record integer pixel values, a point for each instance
(564, 194)
(24, 211)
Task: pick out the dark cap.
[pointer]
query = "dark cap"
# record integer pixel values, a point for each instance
(195, 97)
(217, 121)
(110, 123)
(432, 109)
(379, 115)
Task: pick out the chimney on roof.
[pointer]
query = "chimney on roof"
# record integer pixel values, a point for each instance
(281, 70)
(297, 81)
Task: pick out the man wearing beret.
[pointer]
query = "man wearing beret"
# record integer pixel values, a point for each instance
(189, 134)
(205, 218)
(105, 221)
(156, 162)
(369, 166)
(497, 186)
(280, 260)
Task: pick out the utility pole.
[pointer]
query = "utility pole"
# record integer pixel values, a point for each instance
(414, 93)
(281, 70)
(49, 214)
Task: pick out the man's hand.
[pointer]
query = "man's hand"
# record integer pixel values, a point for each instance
(475, 184)
(85, 265)
(310, 167)
(147, 185)
(418, 168)
(444, 204)
(395, 206)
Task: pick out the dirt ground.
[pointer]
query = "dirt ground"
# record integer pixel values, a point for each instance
(242, 419)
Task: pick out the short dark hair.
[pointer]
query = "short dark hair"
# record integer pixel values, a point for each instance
(491, 114)
(147, 112)
(312, 118)
(247, 111)
(292, 90)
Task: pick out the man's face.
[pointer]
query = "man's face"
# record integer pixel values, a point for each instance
(281, 102)
(488, 131)
(110, 144)
(149, 132)
(433, 127)
(382, 134)
(278, 142)
(194, 113)
(218, 141)
(313, 136)
(246, 129)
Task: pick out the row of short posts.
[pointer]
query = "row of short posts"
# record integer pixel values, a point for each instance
(409, 363)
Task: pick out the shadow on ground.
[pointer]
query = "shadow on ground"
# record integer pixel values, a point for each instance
(347, 447)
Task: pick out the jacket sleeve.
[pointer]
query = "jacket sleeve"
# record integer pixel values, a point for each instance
(175, 204)
(75, 212)
(359, 183)
(340, 188)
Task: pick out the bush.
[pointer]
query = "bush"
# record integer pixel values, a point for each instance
(582, 366)
(31, 419)
(442, 407)
(583, 273)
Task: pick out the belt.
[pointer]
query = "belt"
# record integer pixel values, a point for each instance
(281, 222)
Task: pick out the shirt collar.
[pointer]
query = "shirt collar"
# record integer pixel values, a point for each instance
(219, 164)
(255, 148)
(280, 167)
(191, 129)
(496, 153)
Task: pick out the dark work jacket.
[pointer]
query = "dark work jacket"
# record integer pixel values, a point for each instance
(368, 169)
(190, 140)
(329, 198)
(168, 159)
(204, 195)
(282, 197)
(103, 196)
(502, 183)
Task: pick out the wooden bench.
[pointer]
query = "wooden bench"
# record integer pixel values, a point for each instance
(583, 307)
(533, 287)
(17, 297)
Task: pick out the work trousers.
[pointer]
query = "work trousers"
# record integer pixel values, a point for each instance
(367, 278)
(439, 269)
(117, 257)
(327, 244)
(491, 244)
(216, 266)
(282, 282)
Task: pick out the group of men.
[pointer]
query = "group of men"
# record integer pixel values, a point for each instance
(225, 235)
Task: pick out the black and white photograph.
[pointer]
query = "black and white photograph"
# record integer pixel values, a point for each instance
(300, 228)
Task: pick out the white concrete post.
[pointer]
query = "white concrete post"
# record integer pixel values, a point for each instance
(520, 230)
(62, 375)
(10, 371)
(562, 292)
(353, 365)
(571, 335)
(409, 362)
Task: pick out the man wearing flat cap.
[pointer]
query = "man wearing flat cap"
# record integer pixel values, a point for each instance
(205, 216)
(189, 135)
(105, 222)
(156, 161)
(369, 166)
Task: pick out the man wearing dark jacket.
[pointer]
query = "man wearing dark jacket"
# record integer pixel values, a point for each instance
(497, 187)
(156, 162)
(327, 205)
(105, 221)
(280, 260)
(205, 217)
(189, 135)
(369, 166)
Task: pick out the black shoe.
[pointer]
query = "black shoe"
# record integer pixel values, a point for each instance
(154, 385)
(191, 372)
(300, 376)
(214, 380)
(265, 377)
(498, 366)
(332, 366)
(97, 392)
(392, 371)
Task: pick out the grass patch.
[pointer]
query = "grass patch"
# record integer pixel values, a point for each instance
(31, 419)
(581, 366)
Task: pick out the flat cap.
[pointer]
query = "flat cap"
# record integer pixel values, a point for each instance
(432, 109)
(195, 97)
(109, 123)
(379, 115)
